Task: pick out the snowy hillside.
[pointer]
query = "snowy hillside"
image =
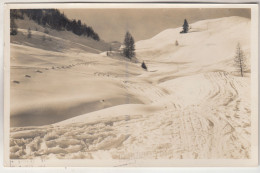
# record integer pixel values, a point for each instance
(190, 104)
(209, 42)
(55, 40)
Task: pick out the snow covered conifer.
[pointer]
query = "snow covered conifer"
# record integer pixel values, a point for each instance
(240, 59)
(185, 27)
(129, 46)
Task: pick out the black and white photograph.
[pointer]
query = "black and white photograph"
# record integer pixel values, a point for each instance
(131, 85)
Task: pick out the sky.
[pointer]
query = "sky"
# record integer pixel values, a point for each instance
(112, 24)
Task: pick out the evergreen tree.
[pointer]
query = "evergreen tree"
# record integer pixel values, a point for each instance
(29, 33)
(240, 59)
(13, 27)
(144, 65)
(185, 27)
(129, 46)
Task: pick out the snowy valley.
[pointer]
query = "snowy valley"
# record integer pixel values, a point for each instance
(69, 100)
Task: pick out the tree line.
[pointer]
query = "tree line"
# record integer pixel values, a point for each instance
(55, 20)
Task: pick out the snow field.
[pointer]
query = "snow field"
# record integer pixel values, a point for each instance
(190, 104)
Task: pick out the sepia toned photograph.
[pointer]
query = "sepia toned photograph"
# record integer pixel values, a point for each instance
(131, 85)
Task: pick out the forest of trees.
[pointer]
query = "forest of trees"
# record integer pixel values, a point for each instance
(54, 19)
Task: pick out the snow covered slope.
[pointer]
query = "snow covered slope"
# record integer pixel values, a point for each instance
(209, 42)
(50, 86)
(190, 104)
(55, 40)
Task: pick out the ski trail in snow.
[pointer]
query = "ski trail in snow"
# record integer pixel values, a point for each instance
(192, 108)
(210, 128)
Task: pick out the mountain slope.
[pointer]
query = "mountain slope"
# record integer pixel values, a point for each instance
(55, 40)
(209, 42)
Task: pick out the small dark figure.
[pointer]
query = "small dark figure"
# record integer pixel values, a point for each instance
(144, 66)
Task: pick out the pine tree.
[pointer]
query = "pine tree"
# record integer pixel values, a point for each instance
(29, 35)
(144, 65)
(13, 27)
(129, 46)
(240, 59)
(185, 27)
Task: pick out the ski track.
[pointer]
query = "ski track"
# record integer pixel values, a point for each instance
(218, 126)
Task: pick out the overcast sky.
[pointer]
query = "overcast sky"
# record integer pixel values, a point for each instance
(111, 24)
